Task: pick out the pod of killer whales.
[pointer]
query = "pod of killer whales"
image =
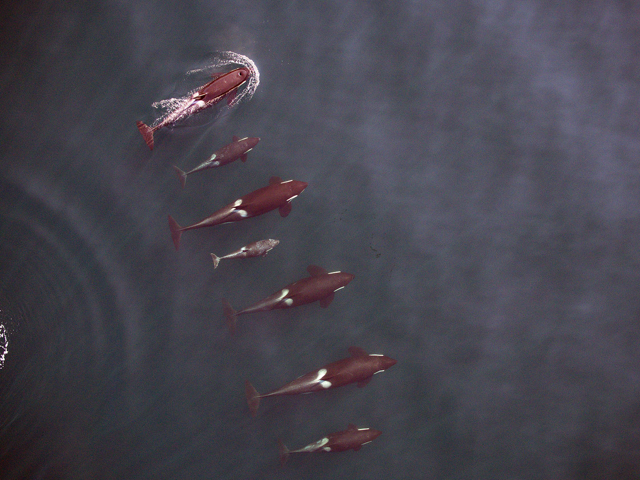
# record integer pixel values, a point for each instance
(320, 286)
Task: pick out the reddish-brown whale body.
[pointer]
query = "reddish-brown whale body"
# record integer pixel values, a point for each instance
(351, 438)
(277, 194)
(237, 149)
(320, 286)
(358, 368)
(225, 84)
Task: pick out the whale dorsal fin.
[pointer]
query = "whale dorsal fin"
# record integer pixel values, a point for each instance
(315, 270)
(358, 352)
(275, 180)
(235, 138)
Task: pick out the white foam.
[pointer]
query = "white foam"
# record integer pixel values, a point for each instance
(227, 58)
(4, 344)
(176, 108)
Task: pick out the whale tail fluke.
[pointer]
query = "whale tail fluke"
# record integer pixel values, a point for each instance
(284, 452)
(231, 314)
(176, 232)
(147, 133)
(253, 398)
(181, 176)
(216, 261)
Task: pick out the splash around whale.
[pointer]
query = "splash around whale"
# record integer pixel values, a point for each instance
(236, 85)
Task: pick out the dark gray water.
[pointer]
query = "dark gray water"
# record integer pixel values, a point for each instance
(475, 164)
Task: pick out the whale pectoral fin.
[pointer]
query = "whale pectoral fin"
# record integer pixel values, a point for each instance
(352, 427)
(235, 138)
(243, 158)
(315, 270)
(285, 209)
(275, 180)
(357, 448)
(326, 301)
(363, 383)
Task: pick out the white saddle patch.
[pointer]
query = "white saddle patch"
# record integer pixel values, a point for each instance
(316, 445)
(283, 293)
